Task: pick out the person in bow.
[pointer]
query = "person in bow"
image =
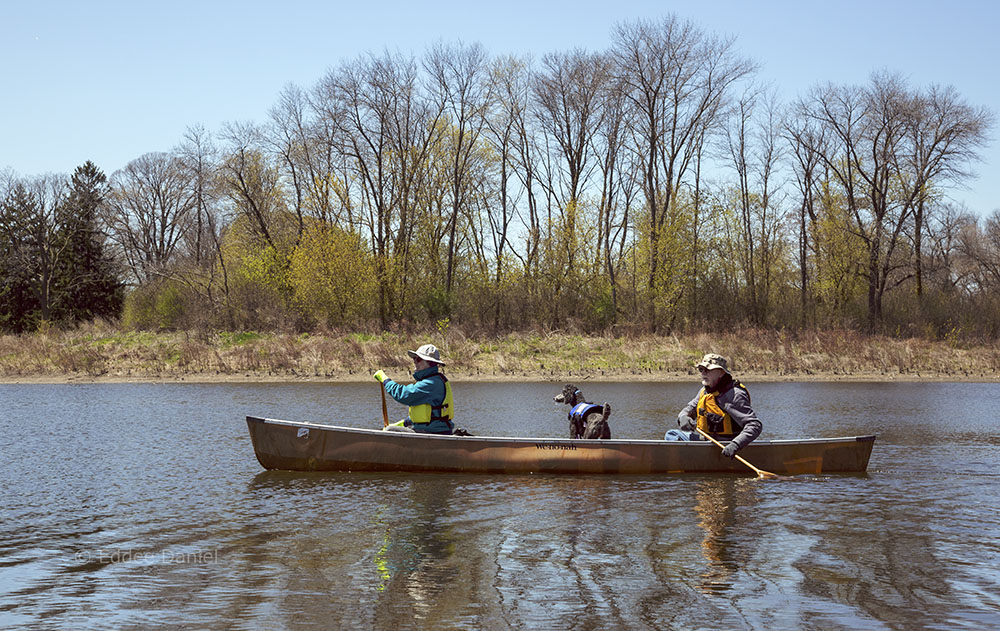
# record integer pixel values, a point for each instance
(721, 408)
(429, 398)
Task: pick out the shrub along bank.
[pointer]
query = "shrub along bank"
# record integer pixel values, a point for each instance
(94, 352)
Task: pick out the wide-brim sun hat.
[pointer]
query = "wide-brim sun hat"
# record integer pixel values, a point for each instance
(711, 361)
(428, 353)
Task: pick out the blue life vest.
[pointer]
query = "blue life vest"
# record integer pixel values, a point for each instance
(581, 410)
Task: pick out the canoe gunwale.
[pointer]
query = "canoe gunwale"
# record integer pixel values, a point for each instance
(550, 439)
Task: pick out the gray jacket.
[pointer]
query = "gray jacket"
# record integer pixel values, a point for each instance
(736, 402)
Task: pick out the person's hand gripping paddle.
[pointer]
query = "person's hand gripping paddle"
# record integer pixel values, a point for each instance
(765, 475)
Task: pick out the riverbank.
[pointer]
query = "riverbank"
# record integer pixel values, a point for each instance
(101, 354)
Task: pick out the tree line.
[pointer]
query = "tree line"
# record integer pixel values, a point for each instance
(55, 266)
(652, 186)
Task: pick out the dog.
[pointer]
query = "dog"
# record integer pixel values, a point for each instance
(586, 420)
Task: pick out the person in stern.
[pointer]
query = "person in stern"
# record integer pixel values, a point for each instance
(431, 407)
(722, 409)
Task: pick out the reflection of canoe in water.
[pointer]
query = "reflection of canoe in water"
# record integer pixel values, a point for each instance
(297, 446)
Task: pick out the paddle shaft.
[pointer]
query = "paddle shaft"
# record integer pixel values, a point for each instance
(760, 473)
(385, 412)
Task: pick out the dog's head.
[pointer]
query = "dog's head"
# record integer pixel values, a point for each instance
(570, 395)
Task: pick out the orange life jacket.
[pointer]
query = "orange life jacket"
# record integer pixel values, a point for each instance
(712, 418)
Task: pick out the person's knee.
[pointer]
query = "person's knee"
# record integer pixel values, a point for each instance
(675, 434)
(397, 428)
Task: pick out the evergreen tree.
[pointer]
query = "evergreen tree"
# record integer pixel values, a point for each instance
(87, 285)
(19, 308)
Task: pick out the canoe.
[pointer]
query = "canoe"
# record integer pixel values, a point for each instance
(302, 446)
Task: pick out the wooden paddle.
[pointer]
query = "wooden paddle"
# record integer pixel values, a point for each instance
(385, 413)
(766, 475)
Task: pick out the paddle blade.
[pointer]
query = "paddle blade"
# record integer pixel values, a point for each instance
(767, 475)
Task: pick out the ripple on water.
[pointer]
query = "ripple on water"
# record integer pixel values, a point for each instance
(142, 504)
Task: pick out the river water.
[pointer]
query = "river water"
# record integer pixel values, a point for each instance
(142, 506)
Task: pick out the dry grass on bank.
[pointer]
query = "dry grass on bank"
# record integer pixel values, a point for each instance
(96, 352)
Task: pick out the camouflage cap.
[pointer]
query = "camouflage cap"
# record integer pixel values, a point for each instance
(711, 360)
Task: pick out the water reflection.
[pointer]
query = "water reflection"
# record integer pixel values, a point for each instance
(598, 549)
(90, 472)
(716, 503)
(414, 562)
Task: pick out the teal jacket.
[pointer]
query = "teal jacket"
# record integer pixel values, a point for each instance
(426, 389)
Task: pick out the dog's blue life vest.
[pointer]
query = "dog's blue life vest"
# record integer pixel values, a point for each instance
(581, 410)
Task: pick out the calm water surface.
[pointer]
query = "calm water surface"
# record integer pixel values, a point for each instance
(142, 506)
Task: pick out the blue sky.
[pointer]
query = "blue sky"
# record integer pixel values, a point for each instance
(109, 81)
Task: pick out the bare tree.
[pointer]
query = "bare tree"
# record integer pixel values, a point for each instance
(807, 146)
(501, 121)
(149, 213)
(947, 227)
(209, 275)
(944, 135)
(976, 268)
(460, 83)
(288, 139)
(301, 136)
(887, 148)
(568, 90)
(387, 131)
(751, 141)
(199, 157)
(329, 159)
(529, 166)
(865, 128)
(619, 185)
(677, 78)
(252, 183)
